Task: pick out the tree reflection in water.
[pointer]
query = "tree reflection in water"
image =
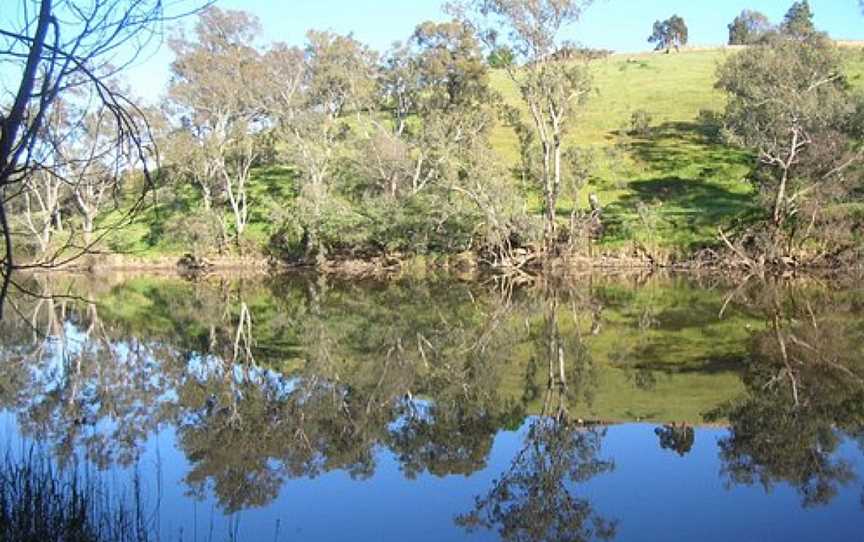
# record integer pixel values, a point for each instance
(535, 498)
(678, 437)
(805, 394)
(269, 382)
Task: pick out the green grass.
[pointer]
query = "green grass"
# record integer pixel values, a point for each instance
(686, 180)
(667, 190)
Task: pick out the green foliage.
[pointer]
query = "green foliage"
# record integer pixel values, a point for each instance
(501, 57)
(669, 34)
(748, 28)
(691, 179)
(197, 231)
(798, 21)
(789, 102)
(640, 123)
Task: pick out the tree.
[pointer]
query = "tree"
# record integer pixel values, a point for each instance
(440, 78)
(789, 102)
(41, 211)
(748, 28)
(501, 57)
(798, 21)
(551, 90)
(51, 48)
(217, 87)
(804, 388)
(338, 85)
(668, 34)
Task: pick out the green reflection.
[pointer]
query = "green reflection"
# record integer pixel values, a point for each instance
(271, 380)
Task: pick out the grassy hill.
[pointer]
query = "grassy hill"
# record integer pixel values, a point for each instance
(686, 180)
(667, 189)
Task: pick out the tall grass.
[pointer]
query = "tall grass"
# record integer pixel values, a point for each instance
(40, 502)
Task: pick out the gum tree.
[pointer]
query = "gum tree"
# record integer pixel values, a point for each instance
(799, 20)
(216, 87)
(551, 90)
(335, 88)
(669, 34)
(789, 102)
(748, 28)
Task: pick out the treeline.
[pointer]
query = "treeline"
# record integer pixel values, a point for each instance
(381, 154)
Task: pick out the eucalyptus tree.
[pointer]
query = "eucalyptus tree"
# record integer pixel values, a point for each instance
(550, 89)
(803, 394)
(49, 48)
(669, 34)
(216, 87)
(798, 21)
(748, 28)
(438, 77)
(333, 88)
(91, 168)
(789, 102)
(40, 210)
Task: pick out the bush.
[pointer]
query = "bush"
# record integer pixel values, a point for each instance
(640, 123)
(711, 124)
(197, 231)
(376, 226)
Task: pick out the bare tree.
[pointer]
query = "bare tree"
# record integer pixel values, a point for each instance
(49, 48)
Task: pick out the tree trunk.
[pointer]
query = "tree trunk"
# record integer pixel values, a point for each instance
(779, 203)
(550, 203)
(8, 263)
(87, 226)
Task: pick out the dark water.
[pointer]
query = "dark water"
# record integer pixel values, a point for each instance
(628, 408)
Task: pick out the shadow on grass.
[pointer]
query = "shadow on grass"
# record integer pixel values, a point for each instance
(689, 146)
(693, 183)
(702, 202)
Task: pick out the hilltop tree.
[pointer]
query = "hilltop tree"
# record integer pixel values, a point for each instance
(788, 101)
(799, 20)
(748, 28)
(552, 91)
(669, 34)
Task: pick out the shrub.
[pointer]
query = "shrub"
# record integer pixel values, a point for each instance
(197, 231)
(640, 123)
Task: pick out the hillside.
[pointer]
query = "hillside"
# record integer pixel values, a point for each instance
(687, 180)
(665, 190)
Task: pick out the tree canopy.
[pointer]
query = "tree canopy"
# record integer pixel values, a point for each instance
(669, 34)
(788, 101)
(798, 21)
(748, 28)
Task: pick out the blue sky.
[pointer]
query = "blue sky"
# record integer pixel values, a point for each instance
(622, 25)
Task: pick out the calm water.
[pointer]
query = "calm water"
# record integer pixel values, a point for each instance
(290, 409)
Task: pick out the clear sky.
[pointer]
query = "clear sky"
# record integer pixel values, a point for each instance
(621, 25)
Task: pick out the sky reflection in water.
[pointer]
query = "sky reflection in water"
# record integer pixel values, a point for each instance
(614, 409)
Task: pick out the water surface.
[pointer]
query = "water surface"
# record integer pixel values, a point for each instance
(604, 408)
